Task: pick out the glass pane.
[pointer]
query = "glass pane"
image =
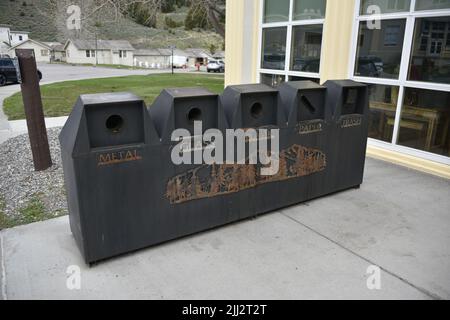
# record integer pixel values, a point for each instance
(294, 78)
(383, 106)
(432, 4)
(306, 48)
(385, 6)
(380, 50)
(309, 9)
(273, 80)
(430, 59)
(425, 121)
(276, 10)
(274, 48)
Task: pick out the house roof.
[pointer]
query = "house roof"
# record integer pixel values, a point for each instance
(24, 32)
(160, 52)
(219, 54)
(56, 46)
(31, 40)
(101, 44)
(148, 52)
(198, 53)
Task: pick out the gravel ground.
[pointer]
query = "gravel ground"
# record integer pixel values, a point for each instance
(19, 182)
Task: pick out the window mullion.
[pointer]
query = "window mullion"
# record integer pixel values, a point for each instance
(404, 68)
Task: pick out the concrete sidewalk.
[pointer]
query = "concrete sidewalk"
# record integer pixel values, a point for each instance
(398, 220)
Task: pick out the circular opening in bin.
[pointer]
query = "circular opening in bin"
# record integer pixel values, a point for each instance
(256, 110)
(195, 114)
(114, 123)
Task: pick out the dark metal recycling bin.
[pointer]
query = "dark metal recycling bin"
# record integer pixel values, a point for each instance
(124, 191)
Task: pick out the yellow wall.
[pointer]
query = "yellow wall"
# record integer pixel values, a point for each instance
(337, 39)
(241, 44)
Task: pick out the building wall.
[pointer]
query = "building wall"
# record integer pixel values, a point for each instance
(152, 61)
(40, 57)
(4, 35)
(16, 38)
(74, 55)
(126, 61)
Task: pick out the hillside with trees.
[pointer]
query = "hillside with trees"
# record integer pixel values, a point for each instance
(145, 23)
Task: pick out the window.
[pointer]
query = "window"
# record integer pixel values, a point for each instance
(122, 54)
(425, 121)
(276, 10)
(273, 80)
(432, 4)
(20, 38)
(406, 64)
(291, 39)
(379, 50)
(430, 58)
(306, 48)
(385, 6)
(294, 78)
(309, 9)
(383, 108)
(44, 52)
(90, 53)
(274, 48)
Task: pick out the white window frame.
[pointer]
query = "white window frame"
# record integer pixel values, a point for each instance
(402, 81)
(289, 25)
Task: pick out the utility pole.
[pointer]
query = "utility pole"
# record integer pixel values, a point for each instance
(172, 48)
(96, 49)
(34, 113)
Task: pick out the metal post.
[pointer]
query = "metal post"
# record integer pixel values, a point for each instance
(34, 113)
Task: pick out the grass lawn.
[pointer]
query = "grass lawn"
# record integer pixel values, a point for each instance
(59, 98)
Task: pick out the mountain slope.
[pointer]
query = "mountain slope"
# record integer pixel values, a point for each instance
(47, 22)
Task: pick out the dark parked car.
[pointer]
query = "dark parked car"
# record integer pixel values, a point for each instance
(9, 71)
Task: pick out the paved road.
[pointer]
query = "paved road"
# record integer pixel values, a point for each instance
(398, 220)
(60, 72)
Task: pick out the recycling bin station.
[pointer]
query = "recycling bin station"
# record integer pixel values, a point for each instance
(125, 192)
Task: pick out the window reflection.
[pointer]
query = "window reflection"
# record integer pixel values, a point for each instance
(273, 80)
(383, 105)
(294, 78)
(425, 121)
(385, 6)
(276, 10)
(274, 48)
(309, 9)
(379, 51)
(430, 60)
(432, 4)
(306, 48)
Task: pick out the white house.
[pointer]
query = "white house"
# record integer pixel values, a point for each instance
(10, 38)
(119, 52)
(151, 58)
(57, 53)
(198, 55)
(42, 51)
